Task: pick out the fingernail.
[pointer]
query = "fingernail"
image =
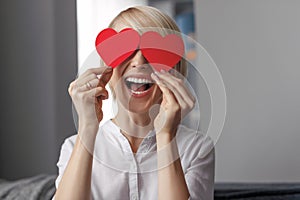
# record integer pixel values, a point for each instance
(109, 68)
(163, 71)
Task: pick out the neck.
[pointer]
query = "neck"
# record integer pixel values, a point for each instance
(134, 126)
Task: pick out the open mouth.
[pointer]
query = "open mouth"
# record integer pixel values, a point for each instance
(138, 86)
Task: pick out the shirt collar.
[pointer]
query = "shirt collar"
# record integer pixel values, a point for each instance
(148, 142)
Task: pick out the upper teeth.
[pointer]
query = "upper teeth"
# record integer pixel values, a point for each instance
(138, 80)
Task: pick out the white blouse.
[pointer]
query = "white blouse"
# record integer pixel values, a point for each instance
(119, 174)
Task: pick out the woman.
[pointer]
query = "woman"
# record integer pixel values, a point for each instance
(143, 152)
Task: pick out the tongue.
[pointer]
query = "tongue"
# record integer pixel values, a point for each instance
(138, 87)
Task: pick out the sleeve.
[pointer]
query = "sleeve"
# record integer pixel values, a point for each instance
(65, 154)
(201, 173)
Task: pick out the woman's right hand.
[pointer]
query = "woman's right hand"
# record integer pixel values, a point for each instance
(87, 93)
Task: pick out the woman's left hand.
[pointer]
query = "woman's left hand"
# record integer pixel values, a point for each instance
(177, 102)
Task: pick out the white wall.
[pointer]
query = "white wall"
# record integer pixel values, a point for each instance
(256, 46)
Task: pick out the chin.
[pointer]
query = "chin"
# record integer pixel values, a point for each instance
(140, 104)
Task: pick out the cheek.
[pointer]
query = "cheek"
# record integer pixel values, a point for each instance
(114, 82)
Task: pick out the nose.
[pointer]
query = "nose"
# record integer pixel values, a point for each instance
(138, 60)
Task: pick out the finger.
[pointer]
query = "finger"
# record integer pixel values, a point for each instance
(88, 85)
(88, 75)
(170, 86)
(94, 82)
(96, 70)
(164, 89)
(179, 90)
(176, 82)
(71, 87)
(177, 86)
(98, 92)
(83, 80)
(105, 77)
(101, 93)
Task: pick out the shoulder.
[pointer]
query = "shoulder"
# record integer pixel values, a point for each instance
(69, 143)
(198, 162)
(193, 144)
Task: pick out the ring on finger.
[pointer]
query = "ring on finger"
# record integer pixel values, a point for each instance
(88, 85)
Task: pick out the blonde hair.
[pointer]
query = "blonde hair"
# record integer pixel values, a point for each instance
(146, 17)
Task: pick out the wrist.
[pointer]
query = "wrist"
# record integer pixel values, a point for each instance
(163, 139)
(167, 151)
(87, 135)
(92, 128)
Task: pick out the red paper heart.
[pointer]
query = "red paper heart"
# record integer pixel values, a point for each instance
(114, 47)
(162, 52)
